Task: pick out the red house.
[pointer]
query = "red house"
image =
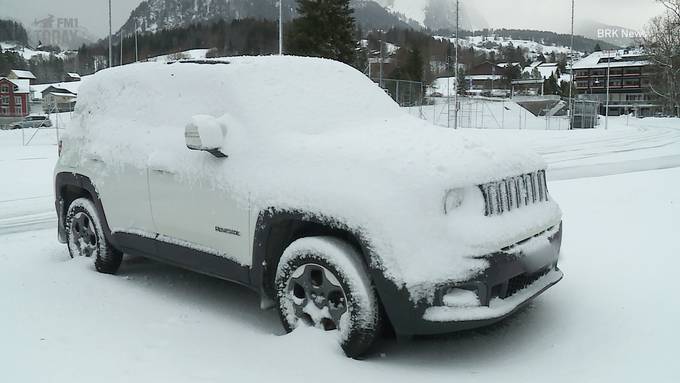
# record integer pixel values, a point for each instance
(14, 97)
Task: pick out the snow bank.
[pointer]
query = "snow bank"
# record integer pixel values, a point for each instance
(343, 150)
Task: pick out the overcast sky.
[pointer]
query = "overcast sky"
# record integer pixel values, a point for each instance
(528, 14)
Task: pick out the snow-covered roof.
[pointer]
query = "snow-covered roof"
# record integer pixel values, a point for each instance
(484, 77)
(73, 75)
(69, 86)
(59, 94)
(23, 86)
(618, 59)
(505, 65)
(22, 74)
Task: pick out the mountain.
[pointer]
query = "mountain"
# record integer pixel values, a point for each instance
(438, 14)
(154, 15)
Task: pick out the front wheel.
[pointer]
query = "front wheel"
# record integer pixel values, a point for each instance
(322, 282)
(85, 237)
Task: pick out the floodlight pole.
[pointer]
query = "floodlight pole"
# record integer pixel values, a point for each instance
(455, 95)
(606, 108)
(110, 46)
(280, 27)
(571, 71)
(136, 46)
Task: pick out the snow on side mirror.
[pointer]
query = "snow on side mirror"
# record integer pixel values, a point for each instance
(205, 133)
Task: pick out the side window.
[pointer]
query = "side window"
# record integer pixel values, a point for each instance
(4, 89)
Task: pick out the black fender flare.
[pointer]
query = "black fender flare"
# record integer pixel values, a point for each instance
(70, 186)
(276, 229)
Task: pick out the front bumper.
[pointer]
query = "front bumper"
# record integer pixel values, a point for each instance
(516, 275)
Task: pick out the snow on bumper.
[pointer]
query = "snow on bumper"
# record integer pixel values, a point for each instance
(514, 276)
(497, 308)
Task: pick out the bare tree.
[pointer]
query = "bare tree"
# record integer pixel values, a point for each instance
(661, 41)
(673, 6)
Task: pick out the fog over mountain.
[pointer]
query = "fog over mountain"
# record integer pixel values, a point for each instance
(439, 14)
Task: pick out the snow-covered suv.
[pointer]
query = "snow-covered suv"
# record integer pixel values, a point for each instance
(303, 180)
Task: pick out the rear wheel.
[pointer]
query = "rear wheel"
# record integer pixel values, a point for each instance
(85, 237)
(321, 282)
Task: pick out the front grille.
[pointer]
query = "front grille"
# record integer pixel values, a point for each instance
(515, 192)
(515, 284)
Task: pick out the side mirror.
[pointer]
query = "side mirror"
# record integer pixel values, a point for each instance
(205, 133)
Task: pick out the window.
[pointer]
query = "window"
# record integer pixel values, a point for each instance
(4, 110)
(17, 101)
(4, 100)
(4, 89)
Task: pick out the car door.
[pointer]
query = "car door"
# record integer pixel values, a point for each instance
(198, 216)
(123, 191)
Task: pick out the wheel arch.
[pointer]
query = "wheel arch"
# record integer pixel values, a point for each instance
(276, 230)
(68, 188)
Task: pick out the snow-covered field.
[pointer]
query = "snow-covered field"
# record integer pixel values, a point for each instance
(613, 317)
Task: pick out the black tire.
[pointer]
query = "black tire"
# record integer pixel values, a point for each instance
(85, 237)
(342, 282)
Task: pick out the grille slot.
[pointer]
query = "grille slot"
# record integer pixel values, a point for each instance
(515, 192)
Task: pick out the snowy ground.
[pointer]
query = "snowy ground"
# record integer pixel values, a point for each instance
(613, 317)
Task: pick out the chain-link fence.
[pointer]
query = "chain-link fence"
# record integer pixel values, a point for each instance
(474, 112)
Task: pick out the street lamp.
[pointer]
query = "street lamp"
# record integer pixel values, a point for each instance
(110, 46)
(280, 27)
(616, 57)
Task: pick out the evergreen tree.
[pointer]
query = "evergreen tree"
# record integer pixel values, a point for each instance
(550, 85)
(325, 28)
(597, 48)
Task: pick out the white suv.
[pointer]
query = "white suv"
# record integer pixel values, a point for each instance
(301, 179)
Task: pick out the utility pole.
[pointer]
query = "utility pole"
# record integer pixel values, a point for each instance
(121, 46)
(571, 70)
(382, 58)
(110, 47)
(280, 27)
(136, 48)
(455, 97)
(606, 108)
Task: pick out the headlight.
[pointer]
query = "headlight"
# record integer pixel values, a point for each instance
(453, 199)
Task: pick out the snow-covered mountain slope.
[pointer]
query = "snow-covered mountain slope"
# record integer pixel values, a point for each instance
(28, 53)
(154, 15)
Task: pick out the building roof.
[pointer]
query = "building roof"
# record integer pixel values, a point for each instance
(23, 86)
(505, 65)
(73, 75)
(59, 94)
(614, 59)
(57, 91)
(22, 74)
(70, 87)
(484, 77)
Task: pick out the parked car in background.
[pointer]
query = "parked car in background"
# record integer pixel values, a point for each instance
(34, 121)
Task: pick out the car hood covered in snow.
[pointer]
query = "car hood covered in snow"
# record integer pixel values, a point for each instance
(317, 136)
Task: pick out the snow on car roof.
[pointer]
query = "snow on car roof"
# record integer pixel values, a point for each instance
(268, 92)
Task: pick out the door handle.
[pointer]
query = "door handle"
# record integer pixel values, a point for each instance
(163, 171)
(94, 158)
